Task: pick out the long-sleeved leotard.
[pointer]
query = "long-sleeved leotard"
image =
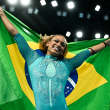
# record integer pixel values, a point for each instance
(49, 75)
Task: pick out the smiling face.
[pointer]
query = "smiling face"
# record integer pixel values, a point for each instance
(56, 46)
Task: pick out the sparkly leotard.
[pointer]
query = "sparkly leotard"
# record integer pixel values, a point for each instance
(49, 75)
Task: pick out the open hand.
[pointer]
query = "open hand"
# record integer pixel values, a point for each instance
(1, 11)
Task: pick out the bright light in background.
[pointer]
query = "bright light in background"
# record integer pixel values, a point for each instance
(68, 33)
(12, 1)
(12, 9)
(106, 36)
(43, 2)
(97, 8)
(59, 13)
(25, 2)
(36, 11)
(70, 5)
(30, 10)
(88, 16)
(54, 3)
(97, 36)
(64, 14)
(81, 15)
(79, 34)
(106, 17)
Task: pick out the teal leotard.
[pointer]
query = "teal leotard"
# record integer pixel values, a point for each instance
(49, 75)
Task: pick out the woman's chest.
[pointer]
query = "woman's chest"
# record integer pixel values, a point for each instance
(49, 69)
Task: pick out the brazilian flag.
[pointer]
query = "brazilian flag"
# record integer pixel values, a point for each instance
(87, 88)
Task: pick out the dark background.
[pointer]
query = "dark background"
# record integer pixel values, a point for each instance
(48, 22)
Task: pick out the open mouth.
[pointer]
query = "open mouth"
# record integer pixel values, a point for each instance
(56, 49)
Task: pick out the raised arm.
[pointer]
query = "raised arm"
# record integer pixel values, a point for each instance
(28, 54)
(9, 26)
(99, 47)
(76, 61)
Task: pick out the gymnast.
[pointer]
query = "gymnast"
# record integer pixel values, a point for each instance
(49, 73)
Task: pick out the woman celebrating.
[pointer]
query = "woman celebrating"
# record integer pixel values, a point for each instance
(49, 74)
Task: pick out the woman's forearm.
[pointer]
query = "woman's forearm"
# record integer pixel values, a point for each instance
(9, 26)
(100, 46)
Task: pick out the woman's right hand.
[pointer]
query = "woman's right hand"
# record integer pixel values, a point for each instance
(1, 12)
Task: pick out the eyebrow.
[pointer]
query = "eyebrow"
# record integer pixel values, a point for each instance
(61, 42)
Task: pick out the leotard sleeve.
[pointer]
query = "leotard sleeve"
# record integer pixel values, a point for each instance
(27, 53)
(76, 61)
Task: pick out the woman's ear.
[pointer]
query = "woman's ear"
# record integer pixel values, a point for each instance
(47, 44)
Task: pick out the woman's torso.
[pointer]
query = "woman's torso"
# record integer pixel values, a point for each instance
(48, 78)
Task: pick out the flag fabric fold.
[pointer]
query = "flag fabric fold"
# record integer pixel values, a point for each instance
(92, 90)
(96, 79)
(9, 86)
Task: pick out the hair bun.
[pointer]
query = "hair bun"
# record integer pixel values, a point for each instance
(44, 37)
